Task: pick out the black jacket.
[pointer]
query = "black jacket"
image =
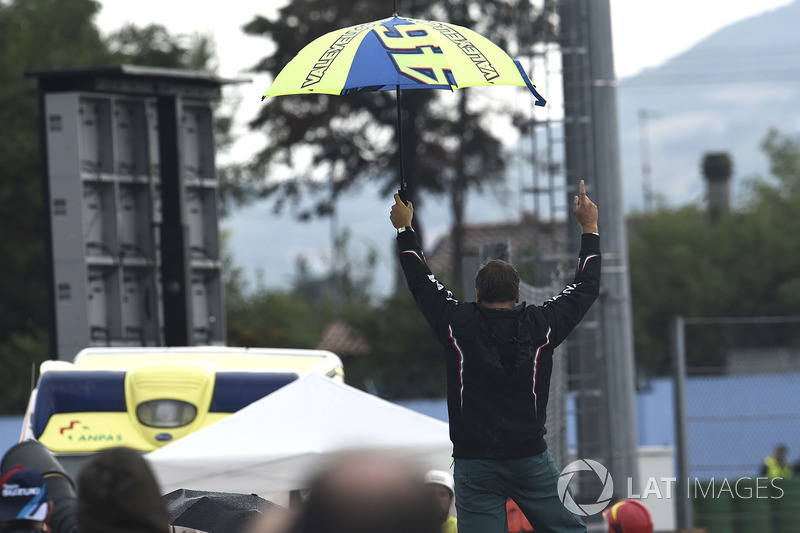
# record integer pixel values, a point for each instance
(499, 361)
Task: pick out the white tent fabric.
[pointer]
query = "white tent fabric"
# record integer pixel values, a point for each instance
(280, 442)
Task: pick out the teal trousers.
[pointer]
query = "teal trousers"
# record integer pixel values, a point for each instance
(484, 485)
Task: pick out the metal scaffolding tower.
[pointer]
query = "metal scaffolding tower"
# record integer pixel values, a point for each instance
(606, 401)
(545, 192)
(569, 142)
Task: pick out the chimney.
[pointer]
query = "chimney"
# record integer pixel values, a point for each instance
(717, 169)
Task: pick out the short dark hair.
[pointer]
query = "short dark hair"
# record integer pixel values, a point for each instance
(117, 491)
(497, 281)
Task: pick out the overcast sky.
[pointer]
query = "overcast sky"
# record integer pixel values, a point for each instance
(645, 34)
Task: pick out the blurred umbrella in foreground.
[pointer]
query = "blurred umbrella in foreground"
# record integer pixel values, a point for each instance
(214, 512)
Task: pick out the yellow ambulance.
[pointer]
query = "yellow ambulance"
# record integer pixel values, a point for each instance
(144, 398)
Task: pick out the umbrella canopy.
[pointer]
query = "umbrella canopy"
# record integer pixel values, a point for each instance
(214, 512)
(280, 442)
(399, 53)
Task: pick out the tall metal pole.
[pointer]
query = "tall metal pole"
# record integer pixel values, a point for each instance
(605, 346)
(684, 507)
(615, 305)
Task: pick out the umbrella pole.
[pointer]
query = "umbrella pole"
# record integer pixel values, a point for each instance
(402, 192)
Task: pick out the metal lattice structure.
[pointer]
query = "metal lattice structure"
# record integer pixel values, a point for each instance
(576, 137)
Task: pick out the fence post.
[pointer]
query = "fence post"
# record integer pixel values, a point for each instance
(684, 504)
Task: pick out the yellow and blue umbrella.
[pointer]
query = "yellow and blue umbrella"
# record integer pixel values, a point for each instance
(399, 53)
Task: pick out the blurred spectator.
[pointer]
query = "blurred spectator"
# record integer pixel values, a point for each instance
(365, 493)
(442, 489)
(118, 493)
(775, 464)
(25, 505)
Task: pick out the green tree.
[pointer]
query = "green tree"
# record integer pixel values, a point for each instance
(406, 360)
(34, 35)
(154, 46)
(38, 35)
(273, 318)
(678, 264)
(769, 257)
(296, 318)
(741, 264)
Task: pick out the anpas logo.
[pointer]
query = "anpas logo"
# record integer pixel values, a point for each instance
(586, 509)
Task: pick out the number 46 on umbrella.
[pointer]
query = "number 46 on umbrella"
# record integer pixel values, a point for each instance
(399, 53)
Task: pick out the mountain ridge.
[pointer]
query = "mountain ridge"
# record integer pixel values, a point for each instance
(723, 94)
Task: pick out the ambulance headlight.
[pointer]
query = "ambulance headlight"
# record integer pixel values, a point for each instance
(165, 413)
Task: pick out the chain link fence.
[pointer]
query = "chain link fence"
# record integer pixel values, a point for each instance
(738, 384)
(557, 404)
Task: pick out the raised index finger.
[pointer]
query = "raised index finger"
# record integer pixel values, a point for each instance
(582, 188)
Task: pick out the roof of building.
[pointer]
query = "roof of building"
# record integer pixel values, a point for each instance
(134, 79)
(343, 340)
(525, 238)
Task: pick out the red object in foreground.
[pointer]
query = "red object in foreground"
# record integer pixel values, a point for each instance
(517, 523)
(628, 516)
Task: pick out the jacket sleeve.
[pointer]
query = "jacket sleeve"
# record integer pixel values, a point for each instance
(566, 309)
(432, 297)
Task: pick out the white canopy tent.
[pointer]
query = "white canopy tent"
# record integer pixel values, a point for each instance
(278, 443)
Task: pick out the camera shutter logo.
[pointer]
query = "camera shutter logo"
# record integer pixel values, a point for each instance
(586, 509)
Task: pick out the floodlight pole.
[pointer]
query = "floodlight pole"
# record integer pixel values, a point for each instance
(603, 342)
